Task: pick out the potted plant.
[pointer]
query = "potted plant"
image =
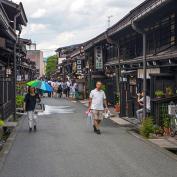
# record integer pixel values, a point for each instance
(1, 123)
(147, 127)
(169, 91)
(103, 87)
(159, 93)
(158, 131)
(19, 101)
(166, 125)
(117, 104)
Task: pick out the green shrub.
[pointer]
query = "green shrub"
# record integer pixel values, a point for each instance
(158, 130)
(103, 87)
(166, 121)
(117, 99)
(19, 101)
(159, 93)
(147, 127)
(1, 123)
(169, 91)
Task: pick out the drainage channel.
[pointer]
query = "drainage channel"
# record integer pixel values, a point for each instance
(174, 151)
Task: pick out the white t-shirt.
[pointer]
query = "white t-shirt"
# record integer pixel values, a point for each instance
(68, 84)
(97, 99)
(148, 102)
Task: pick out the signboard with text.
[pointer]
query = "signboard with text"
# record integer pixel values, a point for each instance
(79, 66)
(98, 57)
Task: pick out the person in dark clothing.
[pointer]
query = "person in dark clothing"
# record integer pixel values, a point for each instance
(50, 94)
(30, 101)
(59, 91)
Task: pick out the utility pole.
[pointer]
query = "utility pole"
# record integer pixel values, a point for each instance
(142, 32)
(15, 60)
(109, 20)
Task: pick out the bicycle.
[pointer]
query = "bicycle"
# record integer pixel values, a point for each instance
(172, 111)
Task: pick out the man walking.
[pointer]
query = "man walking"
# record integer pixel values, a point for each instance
(97, 102)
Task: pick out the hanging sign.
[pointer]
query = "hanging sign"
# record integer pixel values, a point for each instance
(19, 77)
(26, 77)
(98, 57)
(8, 71)
(148, 72)
(79, 66)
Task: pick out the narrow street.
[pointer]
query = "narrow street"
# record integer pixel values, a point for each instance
(64, 146)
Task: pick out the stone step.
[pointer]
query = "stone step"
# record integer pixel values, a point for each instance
(164, 143)
(121, 122)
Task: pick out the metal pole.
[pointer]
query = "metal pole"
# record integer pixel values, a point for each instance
(15, 69)
(118, 74)
(119, 70)
(15, 65)
(145, 75)
(142, 32)
(117, 80)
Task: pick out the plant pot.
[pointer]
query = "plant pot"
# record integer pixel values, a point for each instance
(117, 108)
(168, 95)
(167, 131)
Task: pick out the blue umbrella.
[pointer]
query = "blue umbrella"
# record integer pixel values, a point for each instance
(42, 85)
(45, 87)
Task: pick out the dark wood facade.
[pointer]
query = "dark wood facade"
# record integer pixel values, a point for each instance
(12, 18)
(26, 69)
(73, 66)
(115, 57)
(123, 49)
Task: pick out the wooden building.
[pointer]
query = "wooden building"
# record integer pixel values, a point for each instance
(71, 65)
(138, 53)
(26, 68)
(12, 17)
(116, 56)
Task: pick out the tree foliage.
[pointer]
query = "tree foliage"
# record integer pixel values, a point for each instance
(51, 65)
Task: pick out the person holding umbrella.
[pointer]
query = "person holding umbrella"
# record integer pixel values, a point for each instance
(30, 101)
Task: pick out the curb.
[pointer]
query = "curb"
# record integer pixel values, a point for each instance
(163, 150)
(9, 144)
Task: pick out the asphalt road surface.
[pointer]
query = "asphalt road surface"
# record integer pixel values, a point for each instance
(64, 146)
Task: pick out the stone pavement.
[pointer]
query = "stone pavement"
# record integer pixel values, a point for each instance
(64, 146)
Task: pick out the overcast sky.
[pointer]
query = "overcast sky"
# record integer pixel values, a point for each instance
(57, 23)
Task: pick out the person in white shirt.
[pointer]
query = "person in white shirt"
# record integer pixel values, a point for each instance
(139, 112)
(74, 89)
(96, 105)
(68, 83)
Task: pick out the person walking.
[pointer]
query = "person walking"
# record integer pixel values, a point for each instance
(75, 89)
(64, 88)
(97, 101)
(68, 83)
(59, 91)
(30, 101)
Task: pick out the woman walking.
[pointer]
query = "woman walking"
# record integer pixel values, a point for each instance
(29, 106)
(59, 91)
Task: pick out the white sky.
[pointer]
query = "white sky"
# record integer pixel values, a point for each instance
(57, 23)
